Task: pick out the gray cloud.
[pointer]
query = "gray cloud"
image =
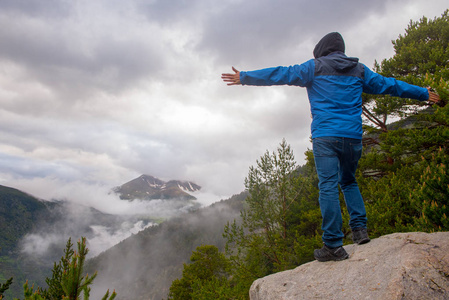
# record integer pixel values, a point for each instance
(87, 51)
(36, 8)
(262, 32)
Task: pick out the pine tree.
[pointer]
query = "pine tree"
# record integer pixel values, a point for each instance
(423, 49)
(5, 286)
(398, 172)
(206, 277)
(280, 221)
(55, 290)
(30, 294)
(421, 58)
(67, 281)
(272, 189)
(431, 197)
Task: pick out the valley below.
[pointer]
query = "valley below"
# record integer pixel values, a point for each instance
(160, 224)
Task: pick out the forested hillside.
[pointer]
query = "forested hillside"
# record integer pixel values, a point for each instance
(33, 233)
(144, 265)
(19, 214)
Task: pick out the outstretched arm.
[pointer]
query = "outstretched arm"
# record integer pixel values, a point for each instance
(433, 97)
(377, 84)
(232, 79)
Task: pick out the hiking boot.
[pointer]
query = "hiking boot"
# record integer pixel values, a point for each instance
(327, 254)
(360, 236)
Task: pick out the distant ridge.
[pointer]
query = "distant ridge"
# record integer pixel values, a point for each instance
(147, 187)
(144, 265)
(19, 212)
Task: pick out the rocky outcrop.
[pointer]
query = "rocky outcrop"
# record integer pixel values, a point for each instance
(396, 266)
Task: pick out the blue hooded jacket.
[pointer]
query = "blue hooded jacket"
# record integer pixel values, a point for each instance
(334, 85)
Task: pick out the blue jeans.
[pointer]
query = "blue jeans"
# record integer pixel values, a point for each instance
(336, 160)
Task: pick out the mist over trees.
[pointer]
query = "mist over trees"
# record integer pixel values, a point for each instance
(144, 265)
(403, 178)
(68, 280)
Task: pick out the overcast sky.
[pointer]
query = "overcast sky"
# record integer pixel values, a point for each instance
(94, 93)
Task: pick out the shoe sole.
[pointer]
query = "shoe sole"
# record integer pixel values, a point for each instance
(361, 242)
(332, 259)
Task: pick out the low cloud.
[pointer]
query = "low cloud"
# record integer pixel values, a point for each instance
(98, 214)
(99, 237)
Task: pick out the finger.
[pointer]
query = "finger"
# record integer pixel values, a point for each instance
(433, 97)
(229, 78)
(235, 70)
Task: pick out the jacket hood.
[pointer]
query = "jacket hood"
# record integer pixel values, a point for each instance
(331, 42)
(340, 62)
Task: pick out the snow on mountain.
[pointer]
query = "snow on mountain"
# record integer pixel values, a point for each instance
(147, 187)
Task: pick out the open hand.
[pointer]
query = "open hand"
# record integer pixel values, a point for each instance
(232, 79)
(433, 97)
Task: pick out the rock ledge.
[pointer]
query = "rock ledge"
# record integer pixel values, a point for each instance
(396, 266)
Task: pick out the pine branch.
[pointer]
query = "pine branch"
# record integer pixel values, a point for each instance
(374, 119)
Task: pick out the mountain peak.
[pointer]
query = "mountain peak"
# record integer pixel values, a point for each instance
(151, 181)
(147, 187)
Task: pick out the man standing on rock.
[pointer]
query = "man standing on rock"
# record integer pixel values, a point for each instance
(335, 84)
